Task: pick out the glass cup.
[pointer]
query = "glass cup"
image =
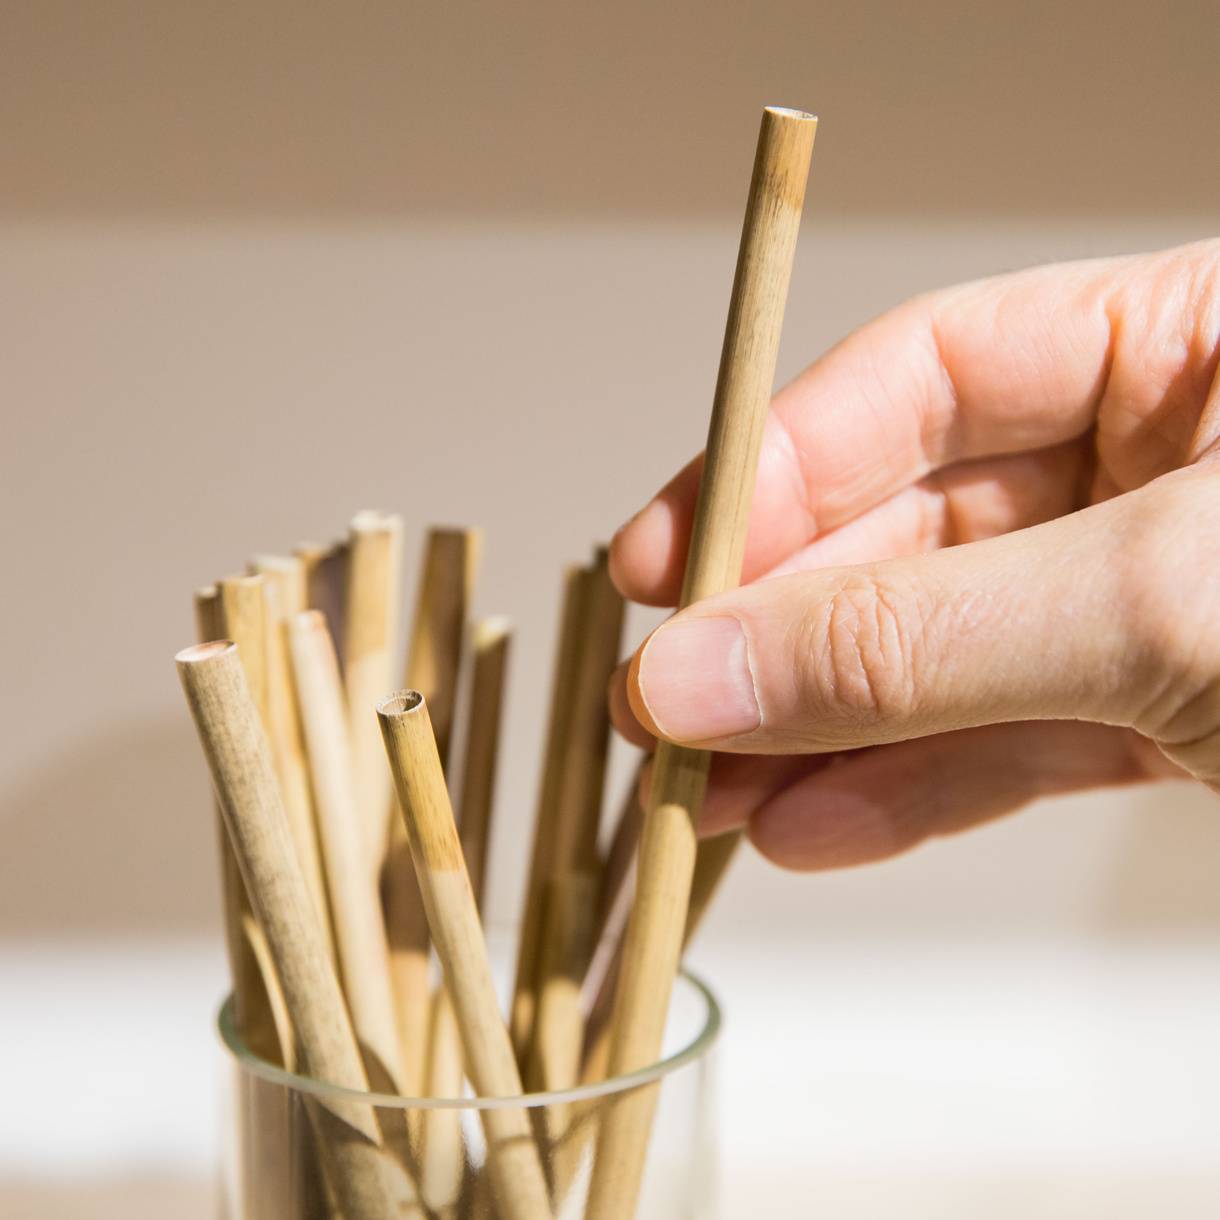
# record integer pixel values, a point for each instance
(289, 1143)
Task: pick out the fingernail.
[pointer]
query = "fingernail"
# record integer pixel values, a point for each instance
(694, 677)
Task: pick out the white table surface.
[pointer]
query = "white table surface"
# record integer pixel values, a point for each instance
(853, 1082)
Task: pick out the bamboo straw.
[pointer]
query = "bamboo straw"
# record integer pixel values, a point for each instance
(325, 571)
(442, 1158)
(569, 925)
(359, 931)
(667, 849)
(252, 1006)
(284, 578)
(620, 857)
(515, 1168)
(406, 925)
(446, 586)
(368, 1184)
(492, 638)
(712, 860)
(370, 617)
(443, 1154)
(563, 684)
(243, 619)
(451, 565)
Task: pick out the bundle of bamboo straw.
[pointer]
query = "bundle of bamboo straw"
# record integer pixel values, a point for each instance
(344, 867)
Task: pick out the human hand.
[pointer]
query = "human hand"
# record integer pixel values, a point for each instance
(983, 566)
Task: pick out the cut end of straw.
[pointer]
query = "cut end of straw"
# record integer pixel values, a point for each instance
(373, 520)
(789, 113)
(489, 631)
(400, 702)
(310, 620)
(274, 563)
(203, 652)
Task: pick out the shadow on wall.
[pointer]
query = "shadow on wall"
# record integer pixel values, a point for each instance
(116, 839)
(119, 840)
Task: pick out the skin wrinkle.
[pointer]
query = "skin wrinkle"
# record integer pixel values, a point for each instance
(870, 666)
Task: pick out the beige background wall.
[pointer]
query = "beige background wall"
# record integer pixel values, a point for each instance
(385, 108)
(262, 265)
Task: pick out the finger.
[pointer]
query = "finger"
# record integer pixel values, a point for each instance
(1004, 366)
(1102, 615)
(621, 715)
(884, 801)
(964, 503)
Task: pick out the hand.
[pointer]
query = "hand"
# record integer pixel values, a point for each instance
(983, 566)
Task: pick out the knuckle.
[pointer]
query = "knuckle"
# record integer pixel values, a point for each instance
(1171, 591)
(861, 653)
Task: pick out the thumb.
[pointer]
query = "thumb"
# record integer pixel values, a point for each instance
(1101, 615)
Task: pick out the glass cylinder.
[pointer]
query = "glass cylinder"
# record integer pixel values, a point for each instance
(289, 1143)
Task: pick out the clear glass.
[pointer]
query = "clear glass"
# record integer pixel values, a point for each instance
(275, 1162)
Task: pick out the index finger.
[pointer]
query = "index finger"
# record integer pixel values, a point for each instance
(1002, 366)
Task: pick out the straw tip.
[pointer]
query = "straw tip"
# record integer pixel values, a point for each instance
(788, 112)
(489, 631)
(400, 703)
(197, 653)
(273, 563)
(374, 521)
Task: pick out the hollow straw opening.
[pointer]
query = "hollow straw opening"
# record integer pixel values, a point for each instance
(203, 652)
(696, 1049)
(399, 702)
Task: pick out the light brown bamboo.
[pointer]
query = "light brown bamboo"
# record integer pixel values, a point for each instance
(243, 619)
(712, 860)
(569, 924)
(559, 1031)
(275, 996)
(667, 848)
(406, 924)
(261, 1014)
(284, 578)
(563, 683)
(583, 766)
(253, 1008)
(325, 573)
(370, 618)
(490, 646)
(515, 1168)
(443, 1156)
(368, 1183)
(620, 857)
(359, 931)
(450, 569)
(446, 586)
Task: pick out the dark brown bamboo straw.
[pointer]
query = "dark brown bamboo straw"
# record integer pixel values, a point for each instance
(570, 921)
(525, 985)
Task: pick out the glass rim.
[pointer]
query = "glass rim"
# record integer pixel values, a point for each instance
(248, 1061)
